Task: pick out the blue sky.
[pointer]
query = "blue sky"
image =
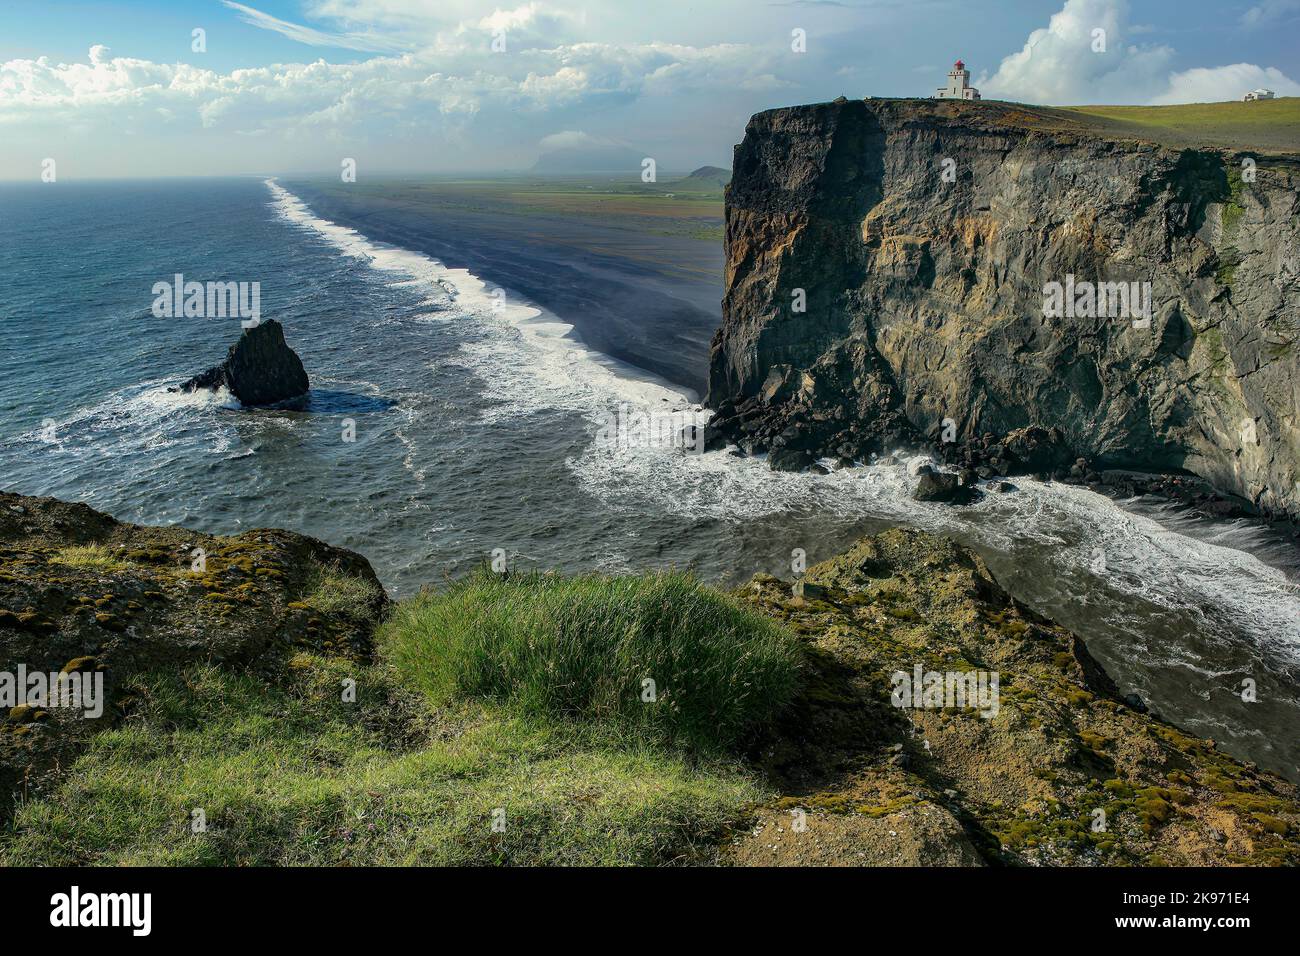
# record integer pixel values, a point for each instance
(117, 89)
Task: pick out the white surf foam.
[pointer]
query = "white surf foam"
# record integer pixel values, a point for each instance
(1138, 555)
(540, 351)
(140, 417)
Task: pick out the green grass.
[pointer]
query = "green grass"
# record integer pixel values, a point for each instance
(670, 207)
(94, 557)
(288, 773)
(293, 776)
(1271, 124)
(584, 648)
(336, 593)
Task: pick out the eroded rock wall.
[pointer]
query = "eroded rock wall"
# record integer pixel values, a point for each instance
(924, 294)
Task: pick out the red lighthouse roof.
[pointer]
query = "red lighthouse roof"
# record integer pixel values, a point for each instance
(959, 65)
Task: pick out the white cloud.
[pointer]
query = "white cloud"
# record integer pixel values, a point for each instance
(529, 17)
(453, 75)
(1270, 11)
(1212, 85)
(565, 84)
(1061, 64)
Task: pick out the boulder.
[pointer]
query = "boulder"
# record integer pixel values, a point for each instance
(808, 591)
(1038, 449)
(945, 487)
(790, 459)
(212, 379)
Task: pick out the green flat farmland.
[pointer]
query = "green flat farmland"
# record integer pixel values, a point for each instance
(1264, 124)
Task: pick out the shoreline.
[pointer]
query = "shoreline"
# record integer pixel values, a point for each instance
(650, 300)
(725, 515)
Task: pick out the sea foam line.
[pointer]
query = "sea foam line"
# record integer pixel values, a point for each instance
(571, 374)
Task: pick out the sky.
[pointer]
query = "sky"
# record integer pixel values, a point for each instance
(214, 87)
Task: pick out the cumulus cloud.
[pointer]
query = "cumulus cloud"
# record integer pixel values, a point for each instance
(1070, 62)
(1212, 85)
(1086, 54)
(454, 77)
(448, 102)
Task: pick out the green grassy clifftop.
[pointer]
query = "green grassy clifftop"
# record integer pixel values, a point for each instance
(273, 708)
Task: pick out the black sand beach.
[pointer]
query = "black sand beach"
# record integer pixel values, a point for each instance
(639, 277)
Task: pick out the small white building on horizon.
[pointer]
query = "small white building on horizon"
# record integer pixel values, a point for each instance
(958, 87)
(1259, 95)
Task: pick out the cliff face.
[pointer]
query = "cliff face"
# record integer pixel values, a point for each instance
(923, 234)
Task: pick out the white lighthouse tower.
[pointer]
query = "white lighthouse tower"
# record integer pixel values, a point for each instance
(958, 87)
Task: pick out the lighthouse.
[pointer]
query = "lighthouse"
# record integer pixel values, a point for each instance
(958, 87)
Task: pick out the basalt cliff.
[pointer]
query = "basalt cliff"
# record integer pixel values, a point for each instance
(887, 262)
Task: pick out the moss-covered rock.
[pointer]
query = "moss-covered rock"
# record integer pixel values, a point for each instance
(1065, 773)
(80, 591)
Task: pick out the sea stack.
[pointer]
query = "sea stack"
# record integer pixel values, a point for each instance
(260, 368)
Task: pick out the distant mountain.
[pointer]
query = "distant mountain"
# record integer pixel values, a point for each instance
(708, 176)
(577, 160)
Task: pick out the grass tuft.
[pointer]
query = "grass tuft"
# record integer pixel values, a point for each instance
(585, 649)
(91, 556)
(335, 593)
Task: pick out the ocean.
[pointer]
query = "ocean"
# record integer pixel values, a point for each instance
(451, 420)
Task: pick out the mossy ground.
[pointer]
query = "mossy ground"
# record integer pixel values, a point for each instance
(317, 752)
(235, 705)
(287, 773)
(1064, 774)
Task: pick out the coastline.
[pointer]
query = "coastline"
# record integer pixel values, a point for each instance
(466, 396)
(667, 286)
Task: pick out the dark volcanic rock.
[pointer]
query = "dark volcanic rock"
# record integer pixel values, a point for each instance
(214, 378)
(942, 486)
(790, 459)
(260, 368)
(808, 591)
(925, 304)
(1032, 450)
